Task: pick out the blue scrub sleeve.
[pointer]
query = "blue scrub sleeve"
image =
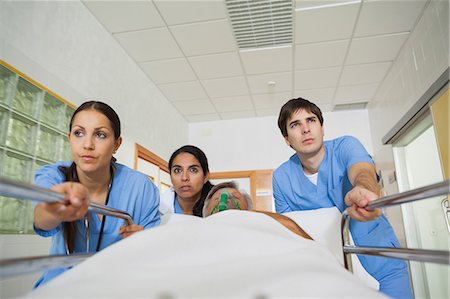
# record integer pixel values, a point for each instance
(352, 152)
(150, 206)
(46, 177)
(281, 205)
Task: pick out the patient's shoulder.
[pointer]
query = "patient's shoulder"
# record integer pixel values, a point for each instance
(288, 223)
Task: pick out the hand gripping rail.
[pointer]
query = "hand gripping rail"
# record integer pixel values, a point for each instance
(15, 189)
(422, 255)
(20, 266)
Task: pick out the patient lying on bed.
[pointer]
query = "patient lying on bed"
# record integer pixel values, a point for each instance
(233, 253)
(226, 196)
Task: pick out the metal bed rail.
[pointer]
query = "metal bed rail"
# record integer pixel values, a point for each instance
(10, 188)
(422, 255)
(26, 265)
(20, 266)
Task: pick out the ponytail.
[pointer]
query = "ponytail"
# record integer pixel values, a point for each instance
(197, 210)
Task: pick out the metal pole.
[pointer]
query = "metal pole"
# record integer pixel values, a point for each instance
(21, 190)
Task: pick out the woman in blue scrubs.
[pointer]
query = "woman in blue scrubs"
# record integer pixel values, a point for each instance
(338, 173)
(189, 173)
(93, 176)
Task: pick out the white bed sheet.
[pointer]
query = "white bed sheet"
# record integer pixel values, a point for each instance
(232, 254)
(324, 226)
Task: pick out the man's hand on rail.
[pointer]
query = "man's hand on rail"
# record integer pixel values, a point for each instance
(356, 200)
(128, 230)
(50, 215)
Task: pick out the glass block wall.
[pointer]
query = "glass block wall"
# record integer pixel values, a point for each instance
(33, 132)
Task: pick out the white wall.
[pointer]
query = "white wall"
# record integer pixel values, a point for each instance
(60, 45)
(424, 57)
(250, 144)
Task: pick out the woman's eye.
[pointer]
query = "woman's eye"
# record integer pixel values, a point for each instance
(101, 135)
(78, 133)
(193, 170)
(177, 170)
(293, 126)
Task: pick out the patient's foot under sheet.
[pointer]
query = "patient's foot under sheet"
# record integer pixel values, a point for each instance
(231, 254)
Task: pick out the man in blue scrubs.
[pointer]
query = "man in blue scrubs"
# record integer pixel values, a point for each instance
(338, 173)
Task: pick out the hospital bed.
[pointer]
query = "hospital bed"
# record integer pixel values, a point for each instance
(14, 267)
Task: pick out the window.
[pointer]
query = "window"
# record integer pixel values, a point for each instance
(34, 124)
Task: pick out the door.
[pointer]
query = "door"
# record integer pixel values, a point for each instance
(417, 164)
(257, 183)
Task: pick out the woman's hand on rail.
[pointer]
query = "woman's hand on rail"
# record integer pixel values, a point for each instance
(356, 200)
(49, 215)
(128, 230)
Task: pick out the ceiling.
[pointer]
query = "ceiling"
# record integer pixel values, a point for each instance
(340, 53)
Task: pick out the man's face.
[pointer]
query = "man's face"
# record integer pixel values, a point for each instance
(237, 197)
(304, 133)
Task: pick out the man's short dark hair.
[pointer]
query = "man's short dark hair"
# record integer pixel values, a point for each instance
(293, 106)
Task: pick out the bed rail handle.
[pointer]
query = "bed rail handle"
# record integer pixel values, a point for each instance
(21, 190)
(422, 255)
(21, 266)
(441, 188)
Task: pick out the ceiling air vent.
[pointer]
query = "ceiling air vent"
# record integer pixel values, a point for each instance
(352, 106)
(261, 23)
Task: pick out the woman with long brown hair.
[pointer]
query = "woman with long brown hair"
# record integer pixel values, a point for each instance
(93, 176)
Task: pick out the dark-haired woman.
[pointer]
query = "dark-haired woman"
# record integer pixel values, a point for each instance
(189, 173)
(93, 176)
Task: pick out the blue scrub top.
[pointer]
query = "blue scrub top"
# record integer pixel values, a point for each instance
(131, 191)
(293, 191)
(176, 206)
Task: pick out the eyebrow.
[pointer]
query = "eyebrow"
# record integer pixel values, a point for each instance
(190, 166)
(95, 129)
(299, 121)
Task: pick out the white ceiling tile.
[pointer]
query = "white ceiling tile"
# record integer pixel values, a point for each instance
(268, 111)
(326, 107)
(273, 100)
(202, 117)
(364, 73)
(328, 23)
(381, 17)
(194, 107)
(121, 16)
(238, 114)
(318, 95)
(183, 91)
(217, 65)
(231, 104)
(270, 83)
(205, 38)
(167, 71)
(310, 79)
(179, 12)
(150, 44)
(319, 55)
(312, 4)
(225, 87)
(376, 48)
(355, 93)
(267, 60)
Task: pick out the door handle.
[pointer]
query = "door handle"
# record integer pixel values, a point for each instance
(445, 204)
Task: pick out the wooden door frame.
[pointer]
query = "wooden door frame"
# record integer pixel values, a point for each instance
(250, 174)
(141, 152)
